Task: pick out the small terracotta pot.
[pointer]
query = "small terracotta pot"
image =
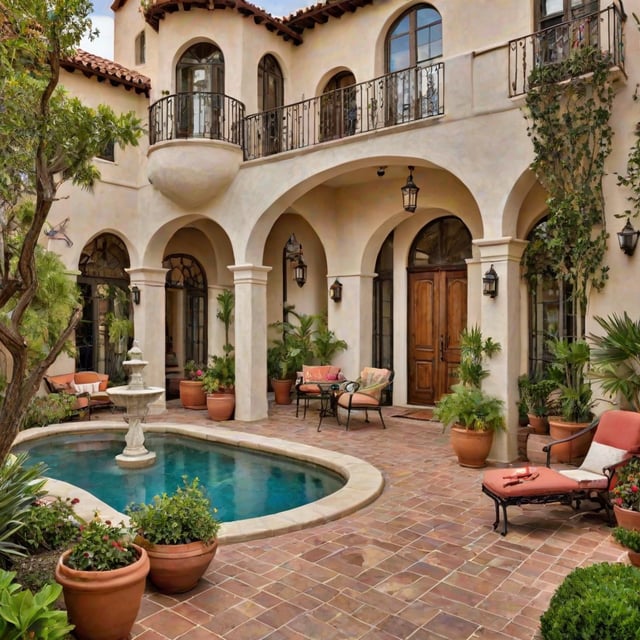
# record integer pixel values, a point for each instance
(220, 406)
(471, 447)
(192, 394)
(176, 568)
(634, 558)
(540, 424)
(282, 391)
(627, 518)
(103, 605)
(568, 451)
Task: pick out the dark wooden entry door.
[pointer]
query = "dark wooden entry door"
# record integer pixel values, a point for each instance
(437, 315)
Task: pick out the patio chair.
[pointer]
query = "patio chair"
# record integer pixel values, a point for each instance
(616, 438)
(307, 387)
(364, 394)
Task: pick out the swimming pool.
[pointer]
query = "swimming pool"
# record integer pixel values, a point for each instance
(364, 483)
(241, 483)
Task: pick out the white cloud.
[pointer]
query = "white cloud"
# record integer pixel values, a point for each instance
(103, 44)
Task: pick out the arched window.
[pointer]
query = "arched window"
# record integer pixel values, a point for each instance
(270, 98)
(412, 43)
(106, 307)
(200, 85)
(338, 115)
(445, 241)
(141, 48)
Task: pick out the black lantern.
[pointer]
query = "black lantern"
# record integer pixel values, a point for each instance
(410, 193)
(300, 272)
(135, 294)
(335, 291)
(490, 283)
(628, 238)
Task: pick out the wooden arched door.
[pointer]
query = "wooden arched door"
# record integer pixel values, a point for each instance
(437, 313)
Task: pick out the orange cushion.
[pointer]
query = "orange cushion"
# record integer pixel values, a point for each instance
(359, 400)
(548, 482)
(309, 388)
(319, 372)
(620, 429)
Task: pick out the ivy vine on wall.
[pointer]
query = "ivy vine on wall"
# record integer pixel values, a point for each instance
(568, 108)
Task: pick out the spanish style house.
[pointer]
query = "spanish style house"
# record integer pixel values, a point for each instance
(260, 128)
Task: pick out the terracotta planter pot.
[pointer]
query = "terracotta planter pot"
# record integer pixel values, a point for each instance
(568, 451)
(220, 406)
(103, 605)
(634, 558)
(176, 568)
(540, 424)
(627, 518)
(192, 394)
(282, 391)
(471, 447)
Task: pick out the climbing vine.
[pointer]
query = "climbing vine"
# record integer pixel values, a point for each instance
(568, 109)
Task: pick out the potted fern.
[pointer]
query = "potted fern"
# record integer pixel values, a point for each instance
(472, 415)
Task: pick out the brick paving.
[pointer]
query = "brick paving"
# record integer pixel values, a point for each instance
(422, 562)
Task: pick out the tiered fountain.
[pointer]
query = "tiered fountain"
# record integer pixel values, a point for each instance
(135, 397)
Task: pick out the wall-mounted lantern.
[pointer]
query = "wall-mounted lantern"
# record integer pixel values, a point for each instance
(135, 293)
(490, 283)
(628, 238)
(335, 291)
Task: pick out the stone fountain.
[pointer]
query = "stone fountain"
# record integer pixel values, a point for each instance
(135, 397)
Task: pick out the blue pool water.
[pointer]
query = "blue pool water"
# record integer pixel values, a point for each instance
(240, 482)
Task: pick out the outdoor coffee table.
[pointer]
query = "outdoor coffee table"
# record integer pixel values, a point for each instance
(328, 399)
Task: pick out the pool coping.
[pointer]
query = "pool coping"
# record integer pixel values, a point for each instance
(364, 483)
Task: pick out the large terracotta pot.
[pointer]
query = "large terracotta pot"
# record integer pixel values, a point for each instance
(471, 447)
(568, 451)
(540, 424)
(176, 568)
(220, 406)
(103, 605)
(192, 394)
(282, 391)
(627, 518)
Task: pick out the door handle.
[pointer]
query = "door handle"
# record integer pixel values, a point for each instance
(441, 348)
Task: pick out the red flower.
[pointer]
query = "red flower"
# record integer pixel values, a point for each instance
(75, 501)
(634, 488)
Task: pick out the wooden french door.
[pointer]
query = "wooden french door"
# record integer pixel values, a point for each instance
(437, 314)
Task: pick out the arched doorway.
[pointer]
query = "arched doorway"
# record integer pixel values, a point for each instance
(186, 309)
(103, 334)
(338, 108)
(270, 99)
(437, 313)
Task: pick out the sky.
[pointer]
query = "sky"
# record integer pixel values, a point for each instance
(102, 19)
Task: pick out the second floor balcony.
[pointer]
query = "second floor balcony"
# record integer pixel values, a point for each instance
(397, 98)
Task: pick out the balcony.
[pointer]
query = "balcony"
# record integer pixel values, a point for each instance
(601, 30)
(405, 96)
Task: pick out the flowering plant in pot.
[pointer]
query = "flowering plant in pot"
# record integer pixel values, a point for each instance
(192, 393)
(179, 532)
(103, 577)
(625, 494)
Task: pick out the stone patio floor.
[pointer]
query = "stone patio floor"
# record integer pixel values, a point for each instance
(422, 562)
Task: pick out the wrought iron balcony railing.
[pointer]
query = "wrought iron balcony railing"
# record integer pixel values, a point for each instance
(395, 98)
(405, 96)
(196, 115)
(601, 30)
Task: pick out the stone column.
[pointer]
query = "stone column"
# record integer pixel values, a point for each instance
(500, 318)
(251, 341)
(149, 326)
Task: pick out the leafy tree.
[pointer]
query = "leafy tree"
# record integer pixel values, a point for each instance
(48, 138)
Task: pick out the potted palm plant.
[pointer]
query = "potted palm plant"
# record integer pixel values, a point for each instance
(569, 370)
(103, 577)
(472, 415)
(535, 392)
(179, 532)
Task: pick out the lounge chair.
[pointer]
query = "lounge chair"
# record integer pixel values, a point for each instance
(616, 438)
(307, 387)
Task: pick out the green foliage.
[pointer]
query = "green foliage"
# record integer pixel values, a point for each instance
(220, 373)
(48, 525)
(568, 109)
(20, 486)
(194, 370)
(615, 358)
(628, 538)
(26, 615)
(468, 405)
(569, 370)
(626, 491)
(226, 304)
(49, 409)
(101, 546)
(326, 345)
(600, 602)
(534, 393)
(185, 516)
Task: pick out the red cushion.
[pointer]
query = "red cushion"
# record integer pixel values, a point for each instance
(548, 482)
(620, 429)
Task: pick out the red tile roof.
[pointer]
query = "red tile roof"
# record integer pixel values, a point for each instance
(107, 70)
(289, 28)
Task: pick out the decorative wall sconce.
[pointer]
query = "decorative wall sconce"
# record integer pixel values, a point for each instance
(135, 294)
(381, 171)
(628, 238)
(410, 193)
(490, 283)
(335, 291)
(292, 252)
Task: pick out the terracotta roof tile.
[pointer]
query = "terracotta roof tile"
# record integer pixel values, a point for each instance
(103, 69)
